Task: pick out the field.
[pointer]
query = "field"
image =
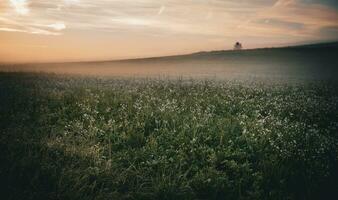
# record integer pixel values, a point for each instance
(76, 137)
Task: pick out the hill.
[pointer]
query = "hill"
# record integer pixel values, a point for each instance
(299, 62)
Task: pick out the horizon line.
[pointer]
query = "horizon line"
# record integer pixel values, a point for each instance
(300, 44)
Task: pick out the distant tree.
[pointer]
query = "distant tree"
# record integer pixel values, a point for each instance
(238, 46)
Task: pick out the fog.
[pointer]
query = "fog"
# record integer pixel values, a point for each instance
(310, 62)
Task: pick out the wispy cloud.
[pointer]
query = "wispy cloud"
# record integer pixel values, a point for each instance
(31, 31)
(213, 17)
(59, 26)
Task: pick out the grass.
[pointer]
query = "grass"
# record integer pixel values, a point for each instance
(65, 137)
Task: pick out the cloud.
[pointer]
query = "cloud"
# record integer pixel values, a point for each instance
(293, 18)
(282, 24)
(330, 3)
(161, 10)
(331, 33)
(283, 3)
(10, 29)
(21, 16)
(57, 26)
(71, 2)
(30, 31)
(133, 21)
(20, 6)
(212, 18)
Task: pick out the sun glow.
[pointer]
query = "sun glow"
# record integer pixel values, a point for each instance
(20, 6)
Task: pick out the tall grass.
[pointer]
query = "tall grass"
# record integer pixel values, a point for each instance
(66, 137)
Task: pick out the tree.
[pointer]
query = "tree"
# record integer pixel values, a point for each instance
(238, 46)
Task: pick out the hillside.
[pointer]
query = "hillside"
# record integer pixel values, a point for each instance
(300, 62)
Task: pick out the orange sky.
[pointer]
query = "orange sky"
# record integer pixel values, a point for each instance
(71, 30)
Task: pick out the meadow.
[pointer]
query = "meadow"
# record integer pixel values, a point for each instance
(76, 137)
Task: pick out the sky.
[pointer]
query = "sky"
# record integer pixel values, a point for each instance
(76, 30)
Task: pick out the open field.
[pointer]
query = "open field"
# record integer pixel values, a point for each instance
(67, 137)
(169, 100)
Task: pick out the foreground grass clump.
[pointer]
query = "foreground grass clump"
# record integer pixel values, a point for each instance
(68, 137)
